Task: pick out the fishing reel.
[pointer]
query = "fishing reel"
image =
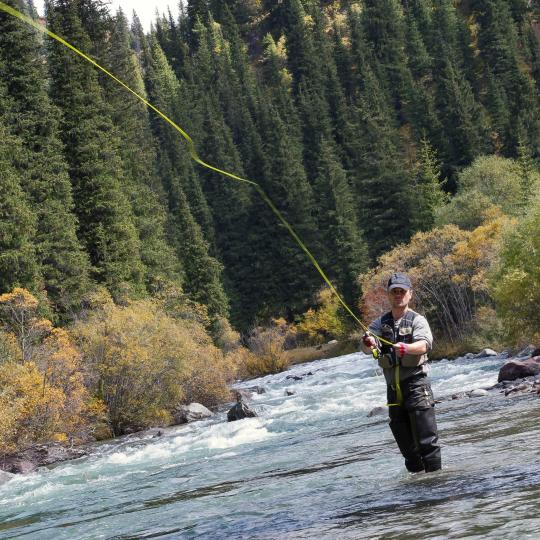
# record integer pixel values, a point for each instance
(373, 343)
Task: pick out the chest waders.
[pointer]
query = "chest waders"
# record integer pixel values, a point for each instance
(403, 333)
(410, 401)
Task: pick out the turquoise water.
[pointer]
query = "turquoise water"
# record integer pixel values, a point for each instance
(313, 465)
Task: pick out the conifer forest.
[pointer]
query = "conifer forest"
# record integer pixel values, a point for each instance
(390, 134)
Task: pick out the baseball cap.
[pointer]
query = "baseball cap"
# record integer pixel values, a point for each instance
(399, 279)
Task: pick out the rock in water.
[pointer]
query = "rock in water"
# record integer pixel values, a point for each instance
(484, 353)
(190, 413)
(377, 411)
(516, 369)
(478, 392)
(239, 411)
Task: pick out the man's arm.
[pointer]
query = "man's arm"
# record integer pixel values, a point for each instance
(422, 339)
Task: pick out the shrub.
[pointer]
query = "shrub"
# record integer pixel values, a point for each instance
(516, 280)
(143, 362)
(324, 323)
(42, 392)
(490, 181)
(449, 269)
(266, 345)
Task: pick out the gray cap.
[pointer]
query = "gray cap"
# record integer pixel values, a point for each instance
(399, 280)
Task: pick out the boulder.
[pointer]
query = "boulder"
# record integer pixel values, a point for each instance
(523, 387)
(239, 411)
(18, 466)
(478, 392)
(517, 369)
(244, 394)
(528, 352)
(289, 392)
(484, 353)
(256, 389)
(377, 411)
(190, 413)
(29, 460)
(293, 377)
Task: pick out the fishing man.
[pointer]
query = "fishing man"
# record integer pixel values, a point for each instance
(410, 399)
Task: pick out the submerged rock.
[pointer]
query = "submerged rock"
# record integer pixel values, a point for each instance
(377, 411)
(190, 413)
(518, 369)
(484, 353)
(5, 477)
(239, 411)
(289, 392)
(256, 389)
(478, 392)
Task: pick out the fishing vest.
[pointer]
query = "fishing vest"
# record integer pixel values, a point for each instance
(404, 333)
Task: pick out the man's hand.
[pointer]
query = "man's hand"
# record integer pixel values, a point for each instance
(369, 341)
(417, 348)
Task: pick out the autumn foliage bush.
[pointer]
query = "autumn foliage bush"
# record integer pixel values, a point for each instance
(42, 391)
(143, 362)
(450, 271)
(324, 323)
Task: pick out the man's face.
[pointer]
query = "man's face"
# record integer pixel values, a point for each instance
(399, 298)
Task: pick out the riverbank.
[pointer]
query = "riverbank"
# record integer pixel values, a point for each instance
(518, 375)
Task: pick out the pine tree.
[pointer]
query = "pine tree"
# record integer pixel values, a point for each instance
(106, 224)
(175, 168)
(428, 193)
(18, 261)
(289, 278)
(202, 273)
(142, 184)
(41, 164)
(345, 251)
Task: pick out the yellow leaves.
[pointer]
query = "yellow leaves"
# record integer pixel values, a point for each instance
(146, 362)
(19, 300)
(324, 323)
(449, 268)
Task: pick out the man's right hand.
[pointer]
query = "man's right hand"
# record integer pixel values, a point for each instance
(368, 340)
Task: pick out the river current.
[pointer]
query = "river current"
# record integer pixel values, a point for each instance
(312, 465)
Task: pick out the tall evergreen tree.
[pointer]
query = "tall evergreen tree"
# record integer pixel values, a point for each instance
(41, 164)
(18, 261)
(142, 185)
(106, 224)
(345, 253)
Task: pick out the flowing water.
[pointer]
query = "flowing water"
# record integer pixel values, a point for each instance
(312, 465)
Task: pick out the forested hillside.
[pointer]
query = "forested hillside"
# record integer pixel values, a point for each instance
(355, 117)
(392, 135)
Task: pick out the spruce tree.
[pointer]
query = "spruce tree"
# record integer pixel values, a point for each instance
(175, 167)
(427, 192)
(106, 223)
(345, 253)
(18, 260)
(41, 164)
(142, 185)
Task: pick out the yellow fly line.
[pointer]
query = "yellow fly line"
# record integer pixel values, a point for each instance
(41, 28)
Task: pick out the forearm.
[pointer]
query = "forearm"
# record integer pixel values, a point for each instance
(417, 348)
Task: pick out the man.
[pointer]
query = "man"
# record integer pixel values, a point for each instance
(410, 399)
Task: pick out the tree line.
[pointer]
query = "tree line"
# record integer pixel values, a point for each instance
(355, 117)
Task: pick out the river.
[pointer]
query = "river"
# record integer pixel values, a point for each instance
(313, 465)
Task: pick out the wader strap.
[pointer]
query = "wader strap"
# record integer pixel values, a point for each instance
(399, 395)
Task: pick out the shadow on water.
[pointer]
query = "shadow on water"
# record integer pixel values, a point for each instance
(424, 491)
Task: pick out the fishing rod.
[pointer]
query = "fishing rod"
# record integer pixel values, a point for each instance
(193, 153)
